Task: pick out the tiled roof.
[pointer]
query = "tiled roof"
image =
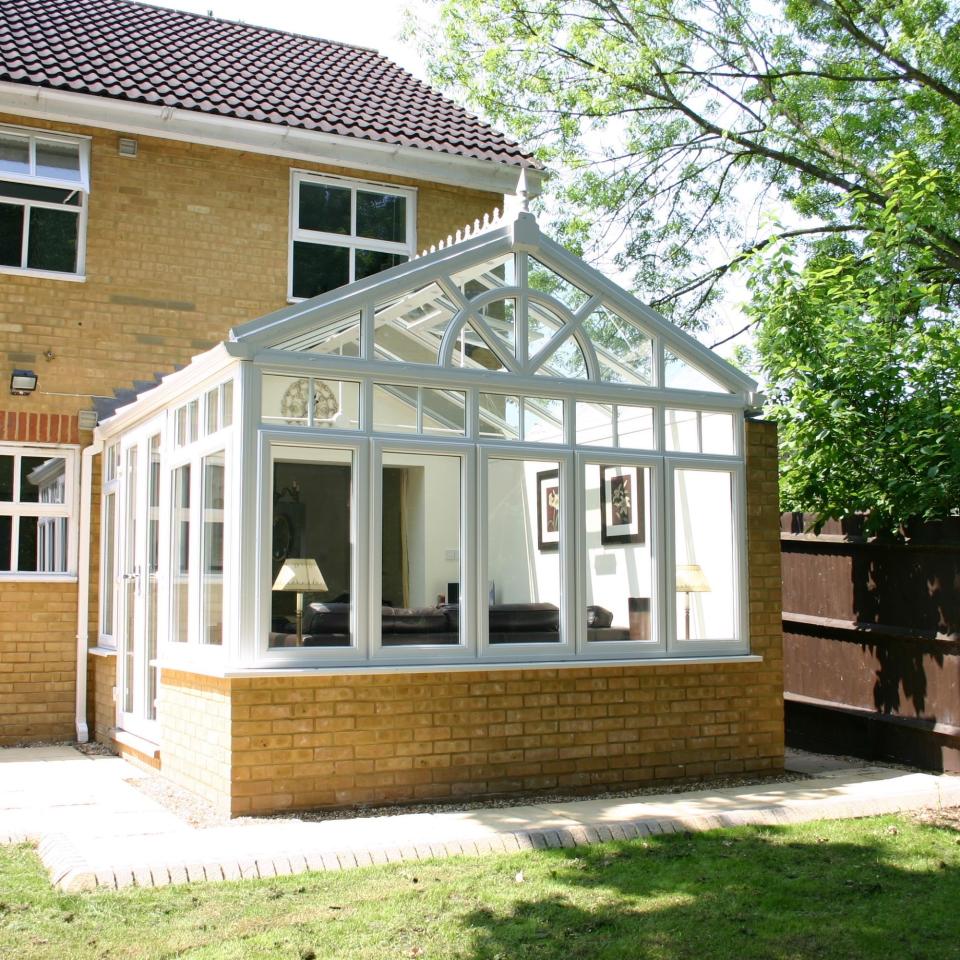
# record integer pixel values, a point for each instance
(152, 55)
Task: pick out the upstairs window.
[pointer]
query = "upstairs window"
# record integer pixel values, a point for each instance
(345, 230)
(44, 184)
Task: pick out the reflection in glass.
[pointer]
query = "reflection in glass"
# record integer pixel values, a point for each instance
(109, 564)
(324, 207)
(319, 267)
(542, 420)
(211, 560)
(523, 551)
(394, 408)
(59, 161)
(623, 350)
(682, 430)
(340, 337)
(52, 244)
(499, 416)
(543, 278)
(382, 216)
(411, 327)
(680, 375)
(313, 519)
(420, 546)
(444, 412)
(181, 533)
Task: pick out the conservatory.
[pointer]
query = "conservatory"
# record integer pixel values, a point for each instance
(383, 543)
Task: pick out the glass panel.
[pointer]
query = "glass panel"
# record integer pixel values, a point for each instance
(682, 431)
(60, 161)
(33, 191)
(703, 519)
(336, 404)
(394, 409)
(523, 551)
(489, 275)
(109, 564)
(382, 216)
(542, 420)
(42, 479)
(6, 541)
(180, 557)
(285, 400)
(411, 327)
(595, 424)
(543, 278)
(6, 478)
(619, 560)
(635, 427)
(312, 520)
(181, 426)
(444, 412)
(623, 350)
(471, 352)
(52, 244)
(14, 154)
(129, 577)
(566, 361)
(501, 318)
(193, 420)
(499, 416)
(51, 544)
(324, 207)
(211, 559)
(153, 570)
(369, 262)
(319, 267)
(542, 326)
(717, 432)
(226, 403)
(211, 406)
(110, 463)
(11, 235)
(420, 549)
(28, 559)
(680, 375)
(340, 337)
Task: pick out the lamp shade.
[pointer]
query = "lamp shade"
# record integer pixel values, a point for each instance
(691, 579)
(303, 576)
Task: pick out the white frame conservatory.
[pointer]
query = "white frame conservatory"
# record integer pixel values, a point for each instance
(534, 360)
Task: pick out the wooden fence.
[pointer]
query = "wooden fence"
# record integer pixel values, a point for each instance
(871, 630)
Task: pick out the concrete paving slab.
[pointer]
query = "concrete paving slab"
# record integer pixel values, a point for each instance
(95, 829)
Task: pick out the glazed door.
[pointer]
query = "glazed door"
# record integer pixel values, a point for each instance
(138, 569)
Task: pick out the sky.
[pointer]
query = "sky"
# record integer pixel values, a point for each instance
(366, 23)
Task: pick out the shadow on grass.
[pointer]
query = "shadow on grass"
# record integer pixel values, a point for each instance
(755, 892)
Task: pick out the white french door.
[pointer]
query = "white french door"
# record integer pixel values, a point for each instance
(137, 573)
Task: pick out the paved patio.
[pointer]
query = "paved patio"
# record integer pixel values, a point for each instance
(94, 829)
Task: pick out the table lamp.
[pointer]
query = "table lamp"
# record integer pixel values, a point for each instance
(302, 576)
(690, 579)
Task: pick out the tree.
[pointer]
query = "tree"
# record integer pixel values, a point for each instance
(811, 145)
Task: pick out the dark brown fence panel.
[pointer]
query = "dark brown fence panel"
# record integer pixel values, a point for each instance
(871, 631)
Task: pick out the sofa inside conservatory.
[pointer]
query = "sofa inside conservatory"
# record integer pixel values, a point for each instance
(479, 524)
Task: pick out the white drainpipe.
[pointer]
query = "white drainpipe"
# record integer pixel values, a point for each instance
(83, 585)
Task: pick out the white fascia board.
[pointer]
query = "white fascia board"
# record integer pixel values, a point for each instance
(295, 143)
(289, 321)
(675, 339)
(202, 367)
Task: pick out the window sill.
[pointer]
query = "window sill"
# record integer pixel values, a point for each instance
(102, 651)
(131, 740)
(44, 274)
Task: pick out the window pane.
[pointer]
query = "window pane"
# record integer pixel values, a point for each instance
(444, 412)
(180, 557)
(595, 424)
(318, 267)
(324, 207)
(623, 350)
(193, 420)
(6, 540)
(680, 375)
(635, 427)
(381, 216)
(501, 317)
(411, 327)
(420, 549)
(212, 411)
(33, 477)
(58, 160)
(211, 562)
(11, 235)
(53, 240)
(33, 191)
(336, 404)
(313, 520)
(523, 551)
(717, 430)
(499, 416)
(703, 524)
(340, 337)
(370, 262)
(109, 561)
(394, 408)
(619, 563)
(542, 420)
(286, 400)
(226, 403)
(14, 154)
(566, 361)
(28, 555)
(153, 570)
(6, 478)
(129, 577)
(543, 278)
(682, 431)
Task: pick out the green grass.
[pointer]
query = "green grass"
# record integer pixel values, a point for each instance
(877, 888)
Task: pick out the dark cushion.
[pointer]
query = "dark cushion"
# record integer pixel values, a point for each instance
(598, 617)
(523, 617)
(327, 618)
(421, 620)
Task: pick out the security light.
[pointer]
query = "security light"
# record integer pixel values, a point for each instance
(22, 382)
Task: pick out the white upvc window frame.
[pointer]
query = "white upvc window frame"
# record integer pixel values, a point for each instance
(68, 510)
(352, 242)
(82, 186)
(110, 486)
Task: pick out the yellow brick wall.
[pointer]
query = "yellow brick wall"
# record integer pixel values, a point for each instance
(195, 738)
(101, 707)
(38, 657)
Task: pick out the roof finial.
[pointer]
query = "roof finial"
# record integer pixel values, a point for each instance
(522, 191)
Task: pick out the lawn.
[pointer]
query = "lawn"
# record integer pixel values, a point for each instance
(861, 889)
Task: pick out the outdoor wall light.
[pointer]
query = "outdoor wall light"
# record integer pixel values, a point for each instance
(22, 383)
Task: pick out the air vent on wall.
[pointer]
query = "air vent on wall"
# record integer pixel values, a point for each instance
(127, 147)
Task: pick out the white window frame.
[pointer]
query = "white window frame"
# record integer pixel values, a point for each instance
(68, 510)
(110, 485)
(351, 241)
(82, 186)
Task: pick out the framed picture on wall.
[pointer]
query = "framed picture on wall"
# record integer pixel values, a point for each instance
(548, 510)
(621, 505)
